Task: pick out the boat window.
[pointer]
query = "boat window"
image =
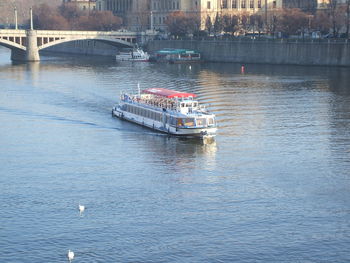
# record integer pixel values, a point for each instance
(194, 104)
(182, 105)
(201, 122)
(211, 121)
(172, 120)
(188, 104)
(189, 122)
(179, 122)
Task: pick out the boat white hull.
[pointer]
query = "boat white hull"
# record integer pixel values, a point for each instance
(131, 59)
(137, 55)
(165, 128)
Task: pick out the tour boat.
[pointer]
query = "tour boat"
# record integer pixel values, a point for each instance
(167, 111)
(132, 55)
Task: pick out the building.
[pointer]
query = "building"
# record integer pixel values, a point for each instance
(84, 5)
(135, 13)
(147, 14)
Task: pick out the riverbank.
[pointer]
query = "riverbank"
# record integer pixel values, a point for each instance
(265, 51)
(324, 52)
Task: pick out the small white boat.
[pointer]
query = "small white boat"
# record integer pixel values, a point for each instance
(167, 111)
(132, 55)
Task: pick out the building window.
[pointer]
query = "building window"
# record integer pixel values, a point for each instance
(259, 3)
(178, 5)
(234, 3)
(274, 4)
(208, 5)
(224, 4)
(251, 4)
(243, 4)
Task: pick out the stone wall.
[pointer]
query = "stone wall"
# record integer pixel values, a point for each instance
(265, 51)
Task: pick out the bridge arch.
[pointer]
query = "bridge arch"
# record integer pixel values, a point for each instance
(11, 45)
(17, 51)
(114, 42)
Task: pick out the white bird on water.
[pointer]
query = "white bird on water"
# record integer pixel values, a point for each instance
(70, 255)
(81, 209)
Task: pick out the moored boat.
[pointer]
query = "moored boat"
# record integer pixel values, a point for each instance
(137, 55)
(172, 55)
(168, 111)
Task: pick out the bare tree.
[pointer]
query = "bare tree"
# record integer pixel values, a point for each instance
(292, 21)
(208, 24)
(321, 22)
(181, 24)
(218, 25)
(347, 18)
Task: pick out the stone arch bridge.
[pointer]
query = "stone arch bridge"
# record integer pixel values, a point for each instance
(26, 44)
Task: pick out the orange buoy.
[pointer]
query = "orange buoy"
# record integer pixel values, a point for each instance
(242, 69)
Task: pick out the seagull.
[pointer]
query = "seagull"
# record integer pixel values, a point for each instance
(70, 255)
(81, 209)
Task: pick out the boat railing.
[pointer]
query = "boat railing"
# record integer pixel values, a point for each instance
(153, 102)
(164, 103)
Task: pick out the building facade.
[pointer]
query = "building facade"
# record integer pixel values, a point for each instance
(84, 5)
(152, 14)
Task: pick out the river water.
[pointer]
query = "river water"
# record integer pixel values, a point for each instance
(273, 187)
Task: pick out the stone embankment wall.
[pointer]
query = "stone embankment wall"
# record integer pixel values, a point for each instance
(267, 51)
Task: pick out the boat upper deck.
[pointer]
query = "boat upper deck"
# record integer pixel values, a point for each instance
(173, 101)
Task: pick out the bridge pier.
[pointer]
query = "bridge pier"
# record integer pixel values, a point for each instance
(32, 53)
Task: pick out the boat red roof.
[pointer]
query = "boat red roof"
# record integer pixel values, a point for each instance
(168, 93)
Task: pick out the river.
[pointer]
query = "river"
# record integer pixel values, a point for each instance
(273, 187)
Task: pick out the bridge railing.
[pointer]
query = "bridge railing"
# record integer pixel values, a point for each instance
(85, 33)
(12, 31)
(71, 32)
